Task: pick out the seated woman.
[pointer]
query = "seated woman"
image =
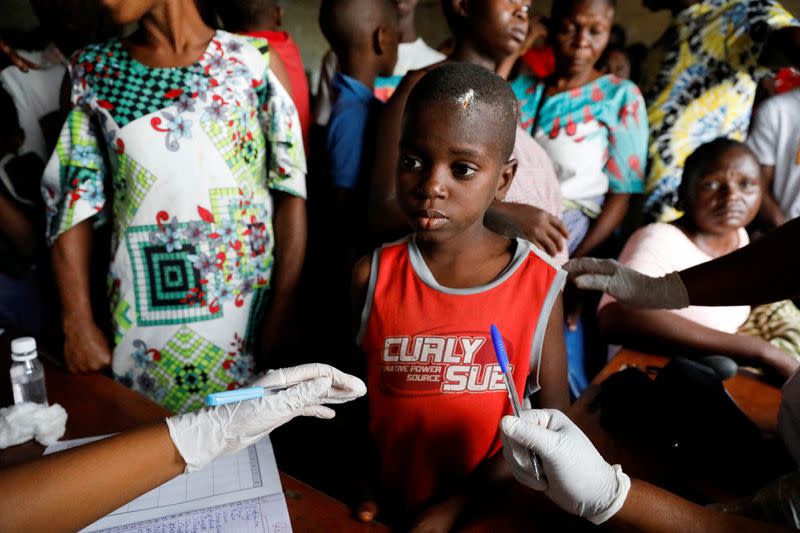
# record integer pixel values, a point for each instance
(593, 126)
(720, 194)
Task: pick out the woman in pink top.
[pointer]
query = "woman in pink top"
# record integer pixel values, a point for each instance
(720, 194)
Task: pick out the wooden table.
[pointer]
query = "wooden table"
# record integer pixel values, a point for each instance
(97, 405)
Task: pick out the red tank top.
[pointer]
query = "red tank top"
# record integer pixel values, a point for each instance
(436, 393)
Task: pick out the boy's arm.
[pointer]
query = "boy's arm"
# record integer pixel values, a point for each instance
(771, 213)
(666, 332)
(554, 387)
(85, 346)
(291, 233)
(610, 218)
(17, 227)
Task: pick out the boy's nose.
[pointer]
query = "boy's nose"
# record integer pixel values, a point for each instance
(433, 185)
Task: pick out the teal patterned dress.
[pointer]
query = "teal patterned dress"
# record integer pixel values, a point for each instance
(181, 162)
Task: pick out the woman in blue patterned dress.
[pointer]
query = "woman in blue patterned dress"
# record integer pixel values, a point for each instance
(185, 143)
(593, 126)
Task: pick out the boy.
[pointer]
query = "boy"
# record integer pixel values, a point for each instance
(775, 139)
(363, 33)
(263, 18)
(436, 396)
(412, 53)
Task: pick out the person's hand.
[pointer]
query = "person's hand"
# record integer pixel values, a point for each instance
(204, 435)
(344, 387)
(17, 60)
(627, 285)
(545, 231)
(778, 361)
(86, 348)
(438, 518)
(367, 511)
(578, 480)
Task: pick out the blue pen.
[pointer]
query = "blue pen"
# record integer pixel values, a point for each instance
(240, 395)
(516, 407)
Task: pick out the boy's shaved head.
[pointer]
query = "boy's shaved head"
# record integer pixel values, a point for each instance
(471, 87)
(350, 24)
(242, 15)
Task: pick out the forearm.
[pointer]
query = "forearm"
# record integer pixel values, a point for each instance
(651, 509)
(764, 271)
(69, 490)
(610, 218)
(505, 218)
(71, 255)
(665, 332)
(291, 235)
(17, 227)
(771, 213)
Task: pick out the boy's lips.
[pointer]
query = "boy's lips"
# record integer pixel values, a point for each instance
(430, 219)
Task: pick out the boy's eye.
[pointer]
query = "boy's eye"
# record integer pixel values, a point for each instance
(410, 163)
(462, 170)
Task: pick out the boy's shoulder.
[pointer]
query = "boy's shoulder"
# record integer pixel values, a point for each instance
(538, 255)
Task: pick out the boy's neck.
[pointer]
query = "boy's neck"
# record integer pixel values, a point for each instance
(464, 51)
(355, 65)
(407, 29)
(260, 24)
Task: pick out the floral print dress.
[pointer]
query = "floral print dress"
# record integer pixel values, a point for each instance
(181, 162)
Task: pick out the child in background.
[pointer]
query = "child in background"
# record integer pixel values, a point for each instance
(593, 126)
(775, 139)
(263, 19)
(363, 34)
(21, 227)
(412, 53)
(425, 304)
(720, 194)
(490, 34)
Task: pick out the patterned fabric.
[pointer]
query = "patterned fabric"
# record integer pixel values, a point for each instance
(706, 65)
(182, 160)
(778, 323)
(596, 136)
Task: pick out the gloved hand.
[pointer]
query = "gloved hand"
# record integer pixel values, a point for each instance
(204, 435)
(344, 386)
(579, 480)
(627, 285)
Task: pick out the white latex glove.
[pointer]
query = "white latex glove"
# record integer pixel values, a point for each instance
(579, 480)
(344, 386)
(204, 435)
(627, 285)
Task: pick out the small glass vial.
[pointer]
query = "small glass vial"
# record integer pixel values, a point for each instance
(27, 373)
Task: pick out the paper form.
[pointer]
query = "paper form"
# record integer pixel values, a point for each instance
(238, 493)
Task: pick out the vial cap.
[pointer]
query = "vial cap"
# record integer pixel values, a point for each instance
(23, 349)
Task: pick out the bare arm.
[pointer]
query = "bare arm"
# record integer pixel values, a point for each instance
(69, 490)
(85, 347)
(554, 393)
(649, 508)
(764, 271)
(770, 213)
(384, 212)
(666, 332)
(291, 234)
(531, 223)
(17, 227)
(611, 216)
(279, 69)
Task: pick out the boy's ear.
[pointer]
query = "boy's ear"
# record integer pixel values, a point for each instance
(382, 40)
(506, 178)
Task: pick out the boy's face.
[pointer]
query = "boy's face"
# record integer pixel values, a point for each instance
(501, 25)
(451, 168)
(727, 197)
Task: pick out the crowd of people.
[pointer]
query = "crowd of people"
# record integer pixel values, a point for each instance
(178, 210)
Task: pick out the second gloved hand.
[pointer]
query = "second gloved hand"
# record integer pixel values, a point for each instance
(627, 285)
(579, 480)
(204, 435)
